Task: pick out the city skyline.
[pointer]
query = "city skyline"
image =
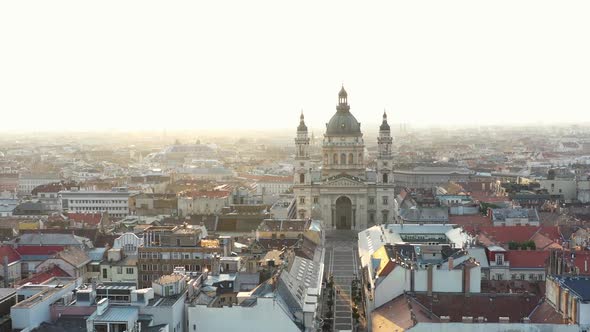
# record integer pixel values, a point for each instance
(200, 67)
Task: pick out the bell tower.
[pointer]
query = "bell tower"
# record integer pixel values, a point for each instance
(385, 158)
(302, 165)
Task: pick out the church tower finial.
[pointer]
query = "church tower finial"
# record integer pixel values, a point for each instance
(302, 126)
(384, 125)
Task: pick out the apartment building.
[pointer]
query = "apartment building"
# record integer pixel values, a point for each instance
(167, 247)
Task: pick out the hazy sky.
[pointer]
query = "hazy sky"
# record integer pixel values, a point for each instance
(239, 64)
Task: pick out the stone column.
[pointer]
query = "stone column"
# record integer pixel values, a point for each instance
(333, 217)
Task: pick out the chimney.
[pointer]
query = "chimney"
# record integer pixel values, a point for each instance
(451, 261)
(503, 320)
(429, 280)
(467, 319)
(445, 319)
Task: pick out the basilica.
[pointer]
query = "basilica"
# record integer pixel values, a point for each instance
(342, 192)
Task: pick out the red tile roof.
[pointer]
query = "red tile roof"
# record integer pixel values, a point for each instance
(505, 234)
(41, 277)
(9, 252)
(86, 218)
(39, 250)
(581, 261)
(527, 258)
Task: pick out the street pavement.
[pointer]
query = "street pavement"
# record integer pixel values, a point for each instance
(342, 263)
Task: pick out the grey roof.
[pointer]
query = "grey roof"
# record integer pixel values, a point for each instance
(118, 314)
(52, 239)
(5, 292)
(425, 214)
(503, 214)
(96, 254)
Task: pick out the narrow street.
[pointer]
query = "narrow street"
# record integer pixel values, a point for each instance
(342, 263)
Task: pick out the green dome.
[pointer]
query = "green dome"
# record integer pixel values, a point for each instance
(343, 123)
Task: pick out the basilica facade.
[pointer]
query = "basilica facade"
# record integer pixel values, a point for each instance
(342, 192)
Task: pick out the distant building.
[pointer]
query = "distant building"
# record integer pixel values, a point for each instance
(202, 202)
(430, 177)
(28, 182)
(115, 202)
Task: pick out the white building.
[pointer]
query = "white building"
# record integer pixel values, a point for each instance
(36, 308)
(115, 202)
(343, 194)
(28, 182)
(418, 258)
(128, 243)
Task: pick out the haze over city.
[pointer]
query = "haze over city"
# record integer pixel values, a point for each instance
(137, 65)
(318, 166)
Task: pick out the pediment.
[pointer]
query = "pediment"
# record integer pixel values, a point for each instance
(343, 180)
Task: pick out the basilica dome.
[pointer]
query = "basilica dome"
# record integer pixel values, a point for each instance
(343, 123)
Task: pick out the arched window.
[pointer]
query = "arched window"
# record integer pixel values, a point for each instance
(350, 159)
(335, 159)
(301, 178)
(384, 178)
(343, 159)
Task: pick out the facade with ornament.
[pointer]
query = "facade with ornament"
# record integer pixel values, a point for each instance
(342, 192)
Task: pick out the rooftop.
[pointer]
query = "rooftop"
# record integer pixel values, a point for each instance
(580, 286)
(504, 214)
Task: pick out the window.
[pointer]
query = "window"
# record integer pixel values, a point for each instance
(371, 200)
(372, 218)
(104, 273)
(385, 215)
(144, 267)
(499, 259)
(302, 178)
(343, 159)
(326, 158)
(302, 200)
(316, 200)
(154, 267)
(119, 270)
(385, 200)
(384, 178)
(350, 158)
(178, 242)
(129, 270)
